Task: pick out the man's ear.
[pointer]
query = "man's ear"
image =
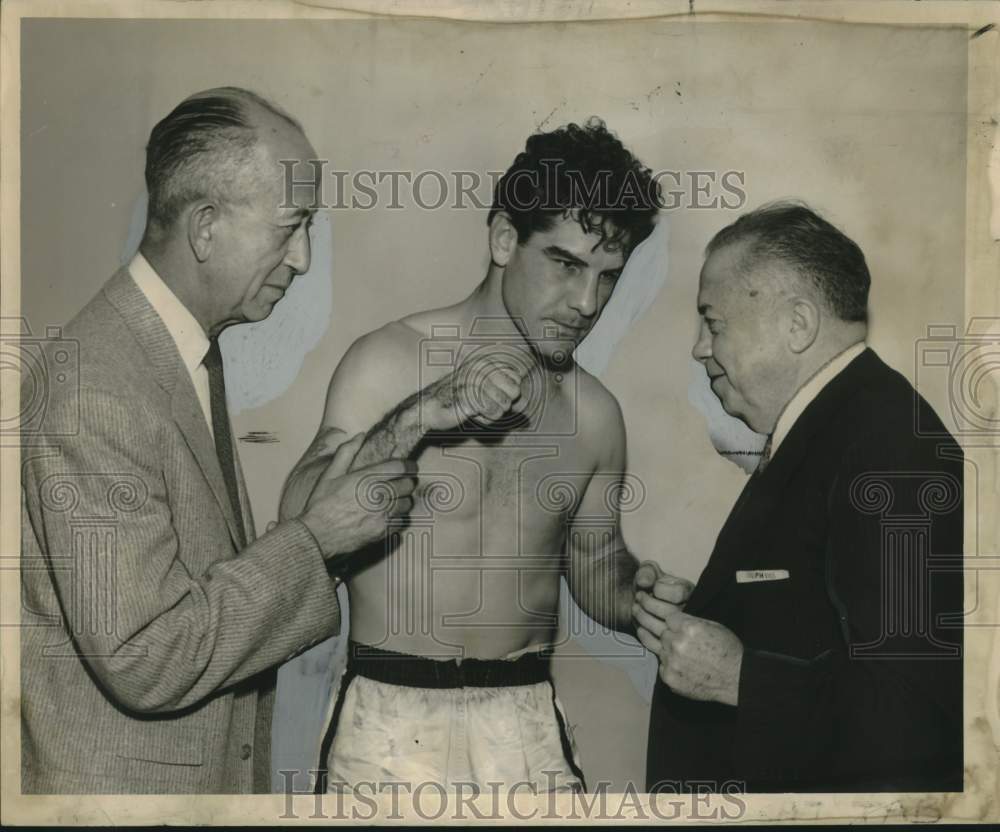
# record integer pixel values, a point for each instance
(503, 238)
(201, 219)
(804, 324)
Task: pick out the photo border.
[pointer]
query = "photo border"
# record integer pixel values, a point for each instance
(982, 299)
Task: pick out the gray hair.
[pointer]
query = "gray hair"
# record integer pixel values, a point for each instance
(204, 148)
(792, 233)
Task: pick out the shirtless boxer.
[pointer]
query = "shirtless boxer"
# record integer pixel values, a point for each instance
(447, 678)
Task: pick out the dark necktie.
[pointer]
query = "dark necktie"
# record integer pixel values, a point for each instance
(220, 427)
(263, 683)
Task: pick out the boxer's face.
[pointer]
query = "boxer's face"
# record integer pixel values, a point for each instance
(557, 282)
(262, 243)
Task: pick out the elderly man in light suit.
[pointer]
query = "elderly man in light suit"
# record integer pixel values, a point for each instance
(152, 617)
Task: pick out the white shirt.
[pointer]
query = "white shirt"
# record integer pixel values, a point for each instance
(190, 338)
(810, 390)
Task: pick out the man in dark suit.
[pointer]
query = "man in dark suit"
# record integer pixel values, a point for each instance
(152, 618)
(821, 647)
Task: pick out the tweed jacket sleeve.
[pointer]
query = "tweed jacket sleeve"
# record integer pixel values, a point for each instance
(163, 622)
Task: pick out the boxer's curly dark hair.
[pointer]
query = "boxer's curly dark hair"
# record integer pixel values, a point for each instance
(584, 172)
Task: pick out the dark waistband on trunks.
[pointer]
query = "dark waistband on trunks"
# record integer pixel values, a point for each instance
(419, 672)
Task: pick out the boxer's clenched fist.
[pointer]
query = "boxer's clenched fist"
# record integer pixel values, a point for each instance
(652, 580)
(481, 390)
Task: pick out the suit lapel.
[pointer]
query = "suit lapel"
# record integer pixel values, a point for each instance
(747, 515)
(762, 497)
(171, 374)
(190, 419)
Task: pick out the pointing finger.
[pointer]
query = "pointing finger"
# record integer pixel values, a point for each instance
(390, 469)
(343, 457)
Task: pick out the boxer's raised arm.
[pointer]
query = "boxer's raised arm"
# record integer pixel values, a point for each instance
(360, 390)
(368, 392)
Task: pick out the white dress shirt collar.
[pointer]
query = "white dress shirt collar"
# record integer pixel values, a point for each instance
(190, 338)
(192, 343)
(808, 391)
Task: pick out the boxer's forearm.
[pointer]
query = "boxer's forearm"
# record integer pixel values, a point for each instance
(395, 436)
(603, 586)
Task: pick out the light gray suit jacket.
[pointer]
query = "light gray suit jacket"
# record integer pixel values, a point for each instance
(148, 642)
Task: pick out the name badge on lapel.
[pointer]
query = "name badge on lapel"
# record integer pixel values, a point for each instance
(752, 576)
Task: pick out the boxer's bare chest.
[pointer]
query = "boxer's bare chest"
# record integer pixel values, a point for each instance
(527, 473)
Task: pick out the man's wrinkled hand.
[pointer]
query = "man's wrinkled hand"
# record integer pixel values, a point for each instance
(350, 508)
(699, 659)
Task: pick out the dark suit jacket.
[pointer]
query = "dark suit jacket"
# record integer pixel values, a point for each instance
(146, 638)
(852, 675)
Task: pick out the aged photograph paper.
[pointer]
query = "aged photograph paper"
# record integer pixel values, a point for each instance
(457, 413)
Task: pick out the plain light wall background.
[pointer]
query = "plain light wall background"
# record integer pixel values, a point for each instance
(866, 123)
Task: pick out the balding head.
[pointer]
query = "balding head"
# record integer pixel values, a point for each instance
(209, 147)
(222, 232)
(790, 241)
(781, 293)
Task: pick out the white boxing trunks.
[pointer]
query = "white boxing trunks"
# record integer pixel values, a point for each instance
(409, 719)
